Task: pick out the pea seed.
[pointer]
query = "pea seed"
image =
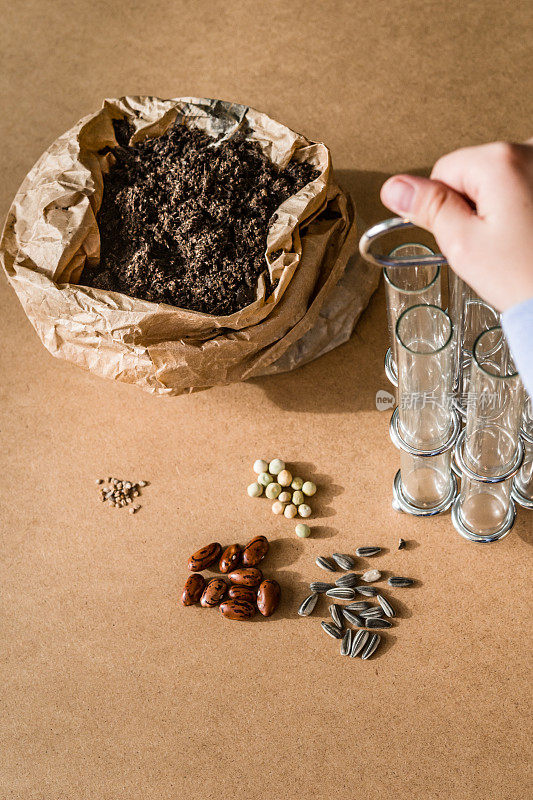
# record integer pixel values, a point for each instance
(284, 477)
(255, 490)
(276, 466)
(309, 488)
(272, 491)
(264, 479)
(302, 530)
(304, 510)
(297, 484)
(277, 507)
(260, 466)
(285, 497)
(290, 511)
(298, 498)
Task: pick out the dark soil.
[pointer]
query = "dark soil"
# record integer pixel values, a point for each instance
(185, 223)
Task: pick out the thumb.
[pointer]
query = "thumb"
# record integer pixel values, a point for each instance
(430, 204)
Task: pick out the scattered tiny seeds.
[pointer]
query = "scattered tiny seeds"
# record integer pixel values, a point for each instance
(304, 510)
(276, 466)
(290, 511)
(336, 615)
(320, 586)
(401, 544)
(375, 622)
(346, 644)
(397, 581)
(365, 552)
(350, 580)
(341, 593)
(308, 605)
(358, 642)
(272, 491)
(385, 605)
(260, 466)
(277, 507)
(302, 530)
(353, 619)
(371, 647)
(325, 563)
(343, 561)
(367, 591)
(284, 477)
(332, 630)
(308, 488)
(298, 498)
(359, 605)
(371, 575)
(285, 497)
(255, 490)
(297, 483)
(264, 478)
(370, 613)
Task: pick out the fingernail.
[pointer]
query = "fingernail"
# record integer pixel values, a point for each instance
(398, 194)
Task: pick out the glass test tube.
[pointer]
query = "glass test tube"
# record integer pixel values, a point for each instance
(425, 419)
(470, 316)
(491, 451)
(523, 482)
(406, 287)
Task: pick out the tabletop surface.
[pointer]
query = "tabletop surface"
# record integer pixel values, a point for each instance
(111, 688)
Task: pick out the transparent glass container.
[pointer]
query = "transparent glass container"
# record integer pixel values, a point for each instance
(424, 426)
(523, 483)
(405, 287)
(470, 316)
(489, 451)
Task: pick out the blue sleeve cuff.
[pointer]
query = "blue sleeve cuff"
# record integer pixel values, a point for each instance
(517, 323)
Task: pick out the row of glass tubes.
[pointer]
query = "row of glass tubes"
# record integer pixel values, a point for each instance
(453, 367)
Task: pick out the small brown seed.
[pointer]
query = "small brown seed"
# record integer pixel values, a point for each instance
(255, 551)
(230, 558)
(250, 576)
(213, 592)
(204, 557)
(237, 609)
(99, 481)
(268, 597)
(242, 593)
(192, 591)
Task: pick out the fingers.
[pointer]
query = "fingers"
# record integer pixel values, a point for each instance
(430, 204)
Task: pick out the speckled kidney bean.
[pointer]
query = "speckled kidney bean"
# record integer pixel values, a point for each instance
(204, 557)
(251, 576)
(268, 597)
(237, 609)
(255, 551)
(242, 593)
(213, 592)
(230, 558)
(192, 591)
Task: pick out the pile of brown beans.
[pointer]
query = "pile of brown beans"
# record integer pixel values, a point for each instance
(247, 590)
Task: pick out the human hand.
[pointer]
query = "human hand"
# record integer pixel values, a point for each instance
(478, 203)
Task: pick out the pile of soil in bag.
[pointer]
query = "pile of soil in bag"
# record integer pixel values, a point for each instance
(185, 223)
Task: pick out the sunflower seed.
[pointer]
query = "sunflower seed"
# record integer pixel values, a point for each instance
(320, 586)
(378, 623)
(371, 575)
(359, 605)
(367, 591)
(343, 561)
(350, 580)
(400, 581)
(353, 619)
(369, 613)
(385, 605)
(308, 605)
(325, 563)
(346, 644)
(341, 593)
(358, 642)
(332, 630)
(401, 544)
(371, 647)
(365, 552)
(336, 615)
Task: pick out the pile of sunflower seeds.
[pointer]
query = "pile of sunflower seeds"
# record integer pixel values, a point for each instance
(119, 493)
(358, 613)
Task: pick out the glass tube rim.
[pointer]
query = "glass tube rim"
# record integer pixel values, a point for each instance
(508, 376)
(424, 352)
(427, 286)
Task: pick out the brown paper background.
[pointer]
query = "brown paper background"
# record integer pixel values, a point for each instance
(111, 691)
